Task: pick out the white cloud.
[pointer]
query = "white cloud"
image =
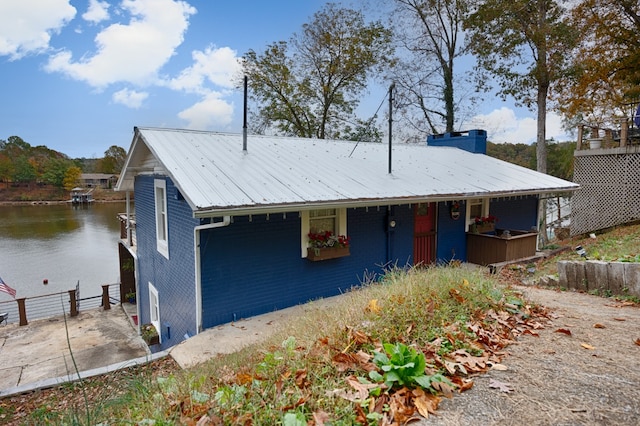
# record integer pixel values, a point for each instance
(132, 52)
(98, 11)
(130, 98)
(26, 25)
(503, 126)
(213, 65)
(209, 113)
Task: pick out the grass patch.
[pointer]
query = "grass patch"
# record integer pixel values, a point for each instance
(382, 353)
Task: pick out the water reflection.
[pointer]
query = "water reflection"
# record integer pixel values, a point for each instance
(38, 221)
(60, 243)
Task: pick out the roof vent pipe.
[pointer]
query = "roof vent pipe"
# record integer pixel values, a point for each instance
(244, 120)
(393, 85)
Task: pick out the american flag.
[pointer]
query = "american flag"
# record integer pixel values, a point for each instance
(6, 289)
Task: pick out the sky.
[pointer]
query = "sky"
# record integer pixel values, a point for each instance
(78, 75)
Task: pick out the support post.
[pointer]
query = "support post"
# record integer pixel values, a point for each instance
(106, 304)
(579, 140)
(22, 311)
(73, 310)
(624, 131)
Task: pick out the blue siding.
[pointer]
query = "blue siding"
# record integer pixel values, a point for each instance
(174, 278)
(515, 213)
(451, 242)
(254, 266)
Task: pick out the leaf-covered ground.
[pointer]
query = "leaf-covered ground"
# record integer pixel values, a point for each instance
(581, 369)
(570, 360)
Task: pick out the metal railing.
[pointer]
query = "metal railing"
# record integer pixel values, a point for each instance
(27, 309)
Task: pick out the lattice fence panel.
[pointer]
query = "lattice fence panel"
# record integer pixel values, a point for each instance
(609, 191)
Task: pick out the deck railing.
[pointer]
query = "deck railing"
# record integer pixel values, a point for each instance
(24, 309)
(594, 137)
(127, 228)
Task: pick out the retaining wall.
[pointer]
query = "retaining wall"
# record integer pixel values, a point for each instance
(621, 278)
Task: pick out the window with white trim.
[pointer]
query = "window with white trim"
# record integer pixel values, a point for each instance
(154, 308)
(476, 208)
(162, 227)
(321, 220)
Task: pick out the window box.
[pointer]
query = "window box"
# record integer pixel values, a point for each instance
(482, 228)
(149, 334)
(325, 253)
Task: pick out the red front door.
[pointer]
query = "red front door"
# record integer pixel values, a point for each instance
(424, 233)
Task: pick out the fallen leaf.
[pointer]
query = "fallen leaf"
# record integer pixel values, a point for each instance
(344, 362)
(533, 333)
(243, 379)
(301, 378)
(373, 306)
(620, 319)
(463, 384)
(503, 387)
(564, 331)
(358, 336)
(598, 325)
(320, 417)
(362, 389)
(456, 295)
(443, 387)
(499, 367)
(587, 346)
(426, 404)
(637, 342)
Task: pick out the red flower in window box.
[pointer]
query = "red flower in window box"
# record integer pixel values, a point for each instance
(327, 239)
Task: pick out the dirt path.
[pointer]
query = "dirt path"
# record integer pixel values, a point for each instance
(590, 377)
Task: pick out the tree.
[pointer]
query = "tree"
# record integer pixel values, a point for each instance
(310, 86)
(23, 170)
(55, 171)
(113, 160)
(606, 65)
(6, 169)
(71, 177)
(525, 45)
(430, 36)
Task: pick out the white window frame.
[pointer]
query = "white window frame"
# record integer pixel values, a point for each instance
(162, 223)
(341, 225)
(154, 309)
(484, 202)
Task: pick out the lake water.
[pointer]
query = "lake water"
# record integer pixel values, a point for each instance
(61, 243)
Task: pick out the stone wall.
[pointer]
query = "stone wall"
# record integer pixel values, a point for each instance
(619, 278)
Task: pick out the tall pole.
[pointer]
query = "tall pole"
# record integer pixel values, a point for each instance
(244, 125)
(390, 120)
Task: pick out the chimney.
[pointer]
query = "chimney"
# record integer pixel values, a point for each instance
(474, 141)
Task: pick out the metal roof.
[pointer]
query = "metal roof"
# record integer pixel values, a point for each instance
(217, 177)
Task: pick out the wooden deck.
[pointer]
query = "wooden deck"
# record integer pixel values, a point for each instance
(484, 249)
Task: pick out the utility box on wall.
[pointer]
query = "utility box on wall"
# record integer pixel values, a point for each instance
(471, 140)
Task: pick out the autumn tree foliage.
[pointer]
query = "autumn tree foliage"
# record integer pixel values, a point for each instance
(310, 85)
(22, 163)
(604, 84)
(525, 46)
(71, 177)
(113, 160)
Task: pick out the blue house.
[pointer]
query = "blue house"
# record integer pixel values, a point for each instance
(222, 223)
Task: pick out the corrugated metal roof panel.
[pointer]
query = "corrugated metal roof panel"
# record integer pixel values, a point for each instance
(213, 173)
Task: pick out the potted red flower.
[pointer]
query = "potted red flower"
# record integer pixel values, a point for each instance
(325, 245)
(485, 224)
